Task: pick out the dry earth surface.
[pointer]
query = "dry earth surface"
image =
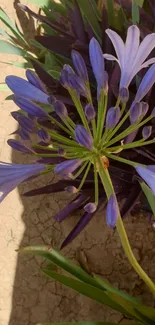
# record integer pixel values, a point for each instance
(26, 296)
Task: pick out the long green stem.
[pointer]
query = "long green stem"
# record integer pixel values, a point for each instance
(129, 130)
(76, 101)
(123, 160)
(80, 170)
(102, 108)
(96, 182)
(135, 144)
(105, 178)
(84, 176)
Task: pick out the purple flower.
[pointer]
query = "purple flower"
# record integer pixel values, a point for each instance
(90, 112)
(23, 88)
(132, 54)
(83, 137)
(11, 175)
(60, 109)
(97, 62)
(146, 132)
(71, 189)
(34, 80)
(44, 135)
(17, 145)
(64, 76)
(130, 137)
(30, 108)
(78, 84)
(135, 113)
(112, 211)
(80, 65)
(145, 108)
(148, 175)
(90, 207)
(124, 95)
(113, 117)
(146, 84)
(67, 167)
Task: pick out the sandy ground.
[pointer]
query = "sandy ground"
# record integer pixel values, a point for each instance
(26, 296)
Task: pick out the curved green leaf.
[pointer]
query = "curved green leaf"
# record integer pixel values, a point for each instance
(6, 20)
(149, 195)
(6, 47)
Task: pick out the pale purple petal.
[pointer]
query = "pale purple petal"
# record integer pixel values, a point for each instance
(110, 57)
(146, 84)
(11, 175)
(67, 167)
(118, 45)
(148, 176)
(147, 63)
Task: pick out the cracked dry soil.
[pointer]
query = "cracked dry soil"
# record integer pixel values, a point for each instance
(34, 298)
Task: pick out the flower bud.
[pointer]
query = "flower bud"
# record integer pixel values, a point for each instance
(153, 112)
(67, 167)
(78, 84)
(145, 108)
(80, 65)
(146, 132)
(97, 61)
(135, 113)
(30, 108)
(124, 95)
(60, 109)
(17, 145)
(44, 135)
(113, 117)
(90, 112)
(51, 99)
(112, 211)
(34, 80)
(83, 137)
(71, 189)
(90, 207)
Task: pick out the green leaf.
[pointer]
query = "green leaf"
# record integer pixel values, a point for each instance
(149, 195)
(6, 20)
(88, 291)
(3, 33)
(135, 13)
(55, 74)
(10, 97)
(111, 14)
(139, 3)
(24, 65)
(4, 87)
(146, 315)
(88, 11)
(6, 47)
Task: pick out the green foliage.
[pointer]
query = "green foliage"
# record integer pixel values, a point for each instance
(93, 287)
(135, 13)
(149, 195)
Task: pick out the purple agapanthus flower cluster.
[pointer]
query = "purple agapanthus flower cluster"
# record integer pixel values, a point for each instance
(73, 151)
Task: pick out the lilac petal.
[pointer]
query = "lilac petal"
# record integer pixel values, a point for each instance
(17, 145)
(124, 95)
(135, 113)
(11, 175)
(80, 65)
(90, 207)
(67, 167)
(147, 63)
(60, 109)
(118, 45)
(24, 134)
(25, 89)
(112, 211)
(111, 57)
(30, 108)
(151, 167)
(83, 137)
(83, 222)
(113, 117)
(69, 69)
(131, 46)
(71, 207)
(26, 123)
(145, 48)
(130, 137)
(90, 112)
(34, 80)
(146, 84)
(78, 84)
(145, 108)
(71, 189)
(148, 176)
(44, 135)
(97, 61)
(147, 131)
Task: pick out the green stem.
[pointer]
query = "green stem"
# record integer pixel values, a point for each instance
(129, 130)
(76, 101)
(80, 170)
(123, 160)
(111, 134)
(60, 126)
(135, 144)
(106, 180)
(96, 182)
(84, 176)
(71, 122)
(102, 108)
